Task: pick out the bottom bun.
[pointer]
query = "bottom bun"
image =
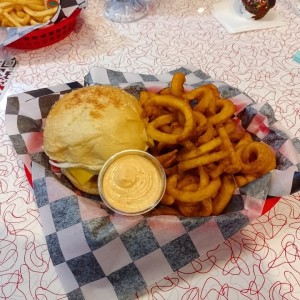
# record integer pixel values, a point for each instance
(90, 187)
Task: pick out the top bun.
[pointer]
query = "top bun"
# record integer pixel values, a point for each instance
(90, 124)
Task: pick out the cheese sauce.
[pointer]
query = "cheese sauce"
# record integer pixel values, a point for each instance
(132, 183)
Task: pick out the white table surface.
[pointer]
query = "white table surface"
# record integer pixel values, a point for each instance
(260, 262)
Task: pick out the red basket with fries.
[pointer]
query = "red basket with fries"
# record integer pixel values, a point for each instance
(48, 35)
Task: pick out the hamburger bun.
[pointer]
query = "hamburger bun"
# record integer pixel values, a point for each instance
(87, 126)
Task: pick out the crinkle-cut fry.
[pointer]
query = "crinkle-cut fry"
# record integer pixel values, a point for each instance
(234, 161)
(225, 109)
(43, 13)
(176, 103)
(202, 149)
(176, 87)
(201, 160)
(220, 201)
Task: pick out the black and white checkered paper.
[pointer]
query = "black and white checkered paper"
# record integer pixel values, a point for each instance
(7, 67)
(99, 254)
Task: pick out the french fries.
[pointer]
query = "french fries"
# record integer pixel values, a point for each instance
(203, 148)
(17, 13)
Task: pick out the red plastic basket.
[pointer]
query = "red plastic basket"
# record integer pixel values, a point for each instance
(47, 35)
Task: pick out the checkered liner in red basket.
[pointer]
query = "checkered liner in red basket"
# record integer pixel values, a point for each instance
(98, 252)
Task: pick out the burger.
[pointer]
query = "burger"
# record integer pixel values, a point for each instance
(87, 126)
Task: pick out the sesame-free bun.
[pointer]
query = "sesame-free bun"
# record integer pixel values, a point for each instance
(90, 124)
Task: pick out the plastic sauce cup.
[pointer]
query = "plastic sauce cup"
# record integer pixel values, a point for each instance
(132, 182)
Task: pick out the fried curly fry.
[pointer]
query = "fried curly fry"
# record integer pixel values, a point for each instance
(224, 194)
(205, 152)
(226, 110)
(192, 197)
(177, 83)
(256, 158)
(202, 160)
(171, 101)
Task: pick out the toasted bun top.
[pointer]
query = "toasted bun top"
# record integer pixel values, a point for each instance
(88, 125)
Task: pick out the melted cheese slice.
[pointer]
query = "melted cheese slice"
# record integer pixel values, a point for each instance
(82, 175)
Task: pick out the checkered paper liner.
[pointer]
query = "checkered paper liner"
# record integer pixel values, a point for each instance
(65, 9)
(99, 253)
(7, 67)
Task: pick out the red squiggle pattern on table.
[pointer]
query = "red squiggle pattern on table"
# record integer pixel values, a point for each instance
(25, 267)
(262, 261)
